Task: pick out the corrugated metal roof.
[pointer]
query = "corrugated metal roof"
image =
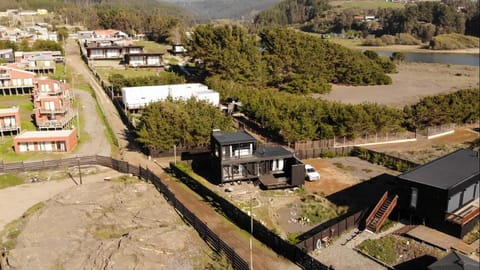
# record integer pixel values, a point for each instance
(447, 171)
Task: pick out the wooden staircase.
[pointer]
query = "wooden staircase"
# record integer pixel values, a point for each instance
(381, 211)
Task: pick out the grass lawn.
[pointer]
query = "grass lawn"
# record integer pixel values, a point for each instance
(370, 4)
(60, 73)
(152, 47)
(105, 72)
(349, 43)
(316, 209)
(10, 180)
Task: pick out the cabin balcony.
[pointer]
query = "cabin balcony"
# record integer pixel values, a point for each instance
(465, 214)
(60, 110)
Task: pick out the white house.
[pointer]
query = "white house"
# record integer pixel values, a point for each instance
(136, 98)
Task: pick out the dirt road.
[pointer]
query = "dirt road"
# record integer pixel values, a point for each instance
(263, 257)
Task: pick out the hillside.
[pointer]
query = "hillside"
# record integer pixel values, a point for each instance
(218, 9)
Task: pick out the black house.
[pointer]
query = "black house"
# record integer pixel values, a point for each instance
(236, 157)
(444, 193)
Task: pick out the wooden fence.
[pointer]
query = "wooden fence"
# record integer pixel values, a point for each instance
(392, 162)
(323, 233)
(210, 237)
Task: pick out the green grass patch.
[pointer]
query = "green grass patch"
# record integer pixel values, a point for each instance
(454, 41)
(393, 249)
(473, 235)
(343, 167)
(10, 180)
(11, 231)
(347, 42)
(371, 4)
(387, 225)
(60, 72)
(152, 46)
(106, 232)
(293, 237)
(316, 209)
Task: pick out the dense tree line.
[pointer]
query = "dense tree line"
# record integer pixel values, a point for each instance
(292, 12)
(184, 123)
(298, 118)
(422, 19)
(38, 45)
(291, 61)
(458, 107)
(118, 80)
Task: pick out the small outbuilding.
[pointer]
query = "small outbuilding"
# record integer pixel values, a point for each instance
(443, 194)
(136, 98)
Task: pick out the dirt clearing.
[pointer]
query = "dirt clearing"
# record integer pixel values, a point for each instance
(412, 82)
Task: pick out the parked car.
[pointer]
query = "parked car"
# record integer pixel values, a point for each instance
(311, 173)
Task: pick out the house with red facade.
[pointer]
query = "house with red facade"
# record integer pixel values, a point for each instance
(53, 104)
(45, 141)
(9, 120)
(15, 81)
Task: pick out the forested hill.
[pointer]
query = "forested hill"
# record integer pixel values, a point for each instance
(220, 9)
(292, 12)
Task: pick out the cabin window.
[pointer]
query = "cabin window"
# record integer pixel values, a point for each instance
(414, 198)
(468, 194)
(454, 202)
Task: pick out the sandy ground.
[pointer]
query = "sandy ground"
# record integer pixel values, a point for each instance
(14, 201)
(412, 82)
(416, 49)
(334, 179)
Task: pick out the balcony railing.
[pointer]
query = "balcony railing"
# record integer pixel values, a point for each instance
(465, 214)
(60, 110)
(47, 124)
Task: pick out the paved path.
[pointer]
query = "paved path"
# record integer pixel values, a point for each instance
(263, 257)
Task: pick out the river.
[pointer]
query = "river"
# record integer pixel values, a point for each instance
(442, 58)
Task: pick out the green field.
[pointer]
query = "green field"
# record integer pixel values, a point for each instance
(105, 72)
(152, 47)
(368, 4)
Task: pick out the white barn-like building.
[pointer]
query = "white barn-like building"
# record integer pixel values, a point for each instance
(136, 98)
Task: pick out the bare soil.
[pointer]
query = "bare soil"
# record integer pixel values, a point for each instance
(106, 225)
(423, 151)
(280, 210)
(412, 82)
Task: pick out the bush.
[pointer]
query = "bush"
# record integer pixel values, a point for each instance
(406, 39)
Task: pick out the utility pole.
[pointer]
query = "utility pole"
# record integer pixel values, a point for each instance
(79, 170)
(251, 232)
